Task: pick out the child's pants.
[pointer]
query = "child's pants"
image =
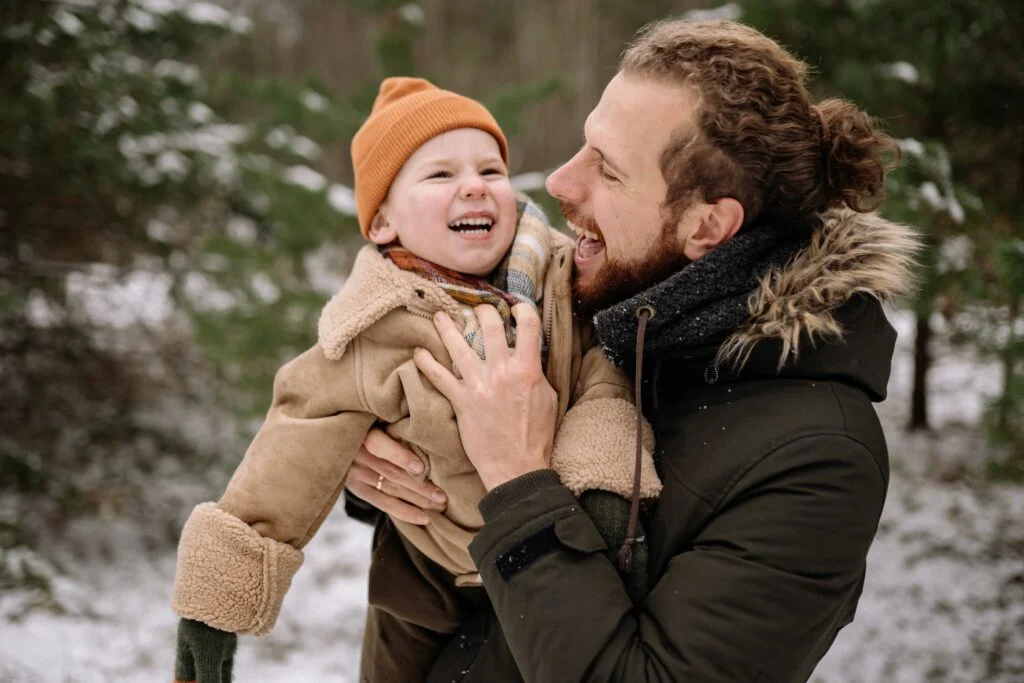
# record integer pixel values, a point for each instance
(414, 609)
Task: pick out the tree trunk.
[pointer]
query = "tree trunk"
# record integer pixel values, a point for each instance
(1009, 363)
(922, 362)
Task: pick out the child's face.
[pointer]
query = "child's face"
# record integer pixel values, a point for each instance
(452, 203)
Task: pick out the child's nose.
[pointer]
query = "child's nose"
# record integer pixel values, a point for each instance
(474, 188)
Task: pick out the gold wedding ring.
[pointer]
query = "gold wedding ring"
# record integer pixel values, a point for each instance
(380, 481)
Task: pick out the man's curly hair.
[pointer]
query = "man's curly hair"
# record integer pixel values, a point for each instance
(756, 135)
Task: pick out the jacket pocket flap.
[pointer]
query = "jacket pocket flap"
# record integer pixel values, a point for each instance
(579, 533)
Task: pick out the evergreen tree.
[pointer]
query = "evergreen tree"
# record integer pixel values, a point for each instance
(128, 180)
(945, 78)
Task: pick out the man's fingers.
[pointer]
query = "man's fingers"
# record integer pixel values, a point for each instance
(367, 467)
(412, 492)
(527, 332)
(443, 380)
(389, 504)
(463, 355)
(384, 447)
(493, 329)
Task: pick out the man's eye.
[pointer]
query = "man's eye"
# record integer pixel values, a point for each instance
(608, 176)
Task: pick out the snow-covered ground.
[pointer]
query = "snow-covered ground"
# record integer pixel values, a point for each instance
(944, 599)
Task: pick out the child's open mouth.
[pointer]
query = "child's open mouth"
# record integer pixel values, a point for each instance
(472, 226)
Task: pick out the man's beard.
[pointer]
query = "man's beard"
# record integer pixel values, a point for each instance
(616, 281)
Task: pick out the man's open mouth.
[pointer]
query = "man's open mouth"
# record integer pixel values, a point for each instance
(588, 244)
(476, 225)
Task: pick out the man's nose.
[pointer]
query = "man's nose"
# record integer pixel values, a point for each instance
(564, 184)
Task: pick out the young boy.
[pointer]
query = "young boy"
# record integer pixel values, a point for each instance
(448, 233)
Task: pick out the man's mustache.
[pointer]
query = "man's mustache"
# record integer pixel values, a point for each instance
(573, 214)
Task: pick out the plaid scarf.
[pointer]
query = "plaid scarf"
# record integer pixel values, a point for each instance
(519, 278)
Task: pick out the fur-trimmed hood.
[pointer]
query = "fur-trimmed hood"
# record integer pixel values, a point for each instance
(766, 288)
(852, 253)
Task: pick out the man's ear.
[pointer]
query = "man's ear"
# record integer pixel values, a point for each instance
(718, 223)
(381, 232)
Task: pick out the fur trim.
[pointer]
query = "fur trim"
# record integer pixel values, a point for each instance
(595, 448)
(852, 253)
(228, 576)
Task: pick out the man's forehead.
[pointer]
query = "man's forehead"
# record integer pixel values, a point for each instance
(636, 117)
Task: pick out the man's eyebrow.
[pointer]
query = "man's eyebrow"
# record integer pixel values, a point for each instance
(611, 164)
(600, 152)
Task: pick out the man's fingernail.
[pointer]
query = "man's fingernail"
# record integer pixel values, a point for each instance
(440, 316)
(416, 467)
(438, 496)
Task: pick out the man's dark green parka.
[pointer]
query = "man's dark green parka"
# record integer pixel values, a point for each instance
(775, 475)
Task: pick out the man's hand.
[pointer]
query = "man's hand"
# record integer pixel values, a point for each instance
(382, 460)
(504, 406)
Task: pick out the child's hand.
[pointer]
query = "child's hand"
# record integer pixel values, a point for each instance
(384, 475)
(205, 654)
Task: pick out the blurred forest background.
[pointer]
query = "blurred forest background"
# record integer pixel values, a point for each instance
(175, 208)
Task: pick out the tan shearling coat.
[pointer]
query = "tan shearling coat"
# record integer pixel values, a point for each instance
(236, 558)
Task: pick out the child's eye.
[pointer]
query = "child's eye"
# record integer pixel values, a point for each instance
(439, 174)
(493, 171)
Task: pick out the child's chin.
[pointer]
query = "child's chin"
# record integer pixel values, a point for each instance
(477, 268)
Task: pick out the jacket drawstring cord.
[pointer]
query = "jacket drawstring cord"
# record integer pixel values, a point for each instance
(644, 313)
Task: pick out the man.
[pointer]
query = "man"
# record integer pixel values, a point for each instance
(724, 236)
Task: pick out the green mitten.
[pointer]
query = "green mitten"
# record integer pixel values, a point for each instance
(610, 514)
(205, 654)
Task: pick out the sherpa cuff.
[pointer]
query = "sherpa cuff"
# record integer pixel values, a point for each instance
(229, 577)
(595, 448)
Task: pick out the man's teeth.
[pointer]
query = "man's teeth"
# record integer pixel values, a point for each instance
(586, 233)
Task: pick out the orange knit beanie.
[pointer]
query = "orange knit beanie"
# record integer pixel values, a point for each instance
(407, 113)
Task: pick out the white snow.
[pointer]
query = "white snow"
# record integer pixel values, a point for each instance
(188, 74)
(68, 22)
(343, 200)
(120, 302)
(729, 11)
(128, 107)
(304, 176)
(912, 147)
(412, 14)
(955, 254)
(264, 288)
(903, 71)
(242, 229)
(314, 101)
(200, 112)
(140, 19)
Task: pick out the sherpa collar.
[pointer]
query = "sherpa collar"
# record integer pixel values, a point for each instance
(374, 288)
(759, 287)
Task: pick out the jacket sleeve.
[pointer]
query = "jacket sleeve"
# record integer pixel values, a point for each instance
(236, 558)
(757, 596)
(595, 445)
